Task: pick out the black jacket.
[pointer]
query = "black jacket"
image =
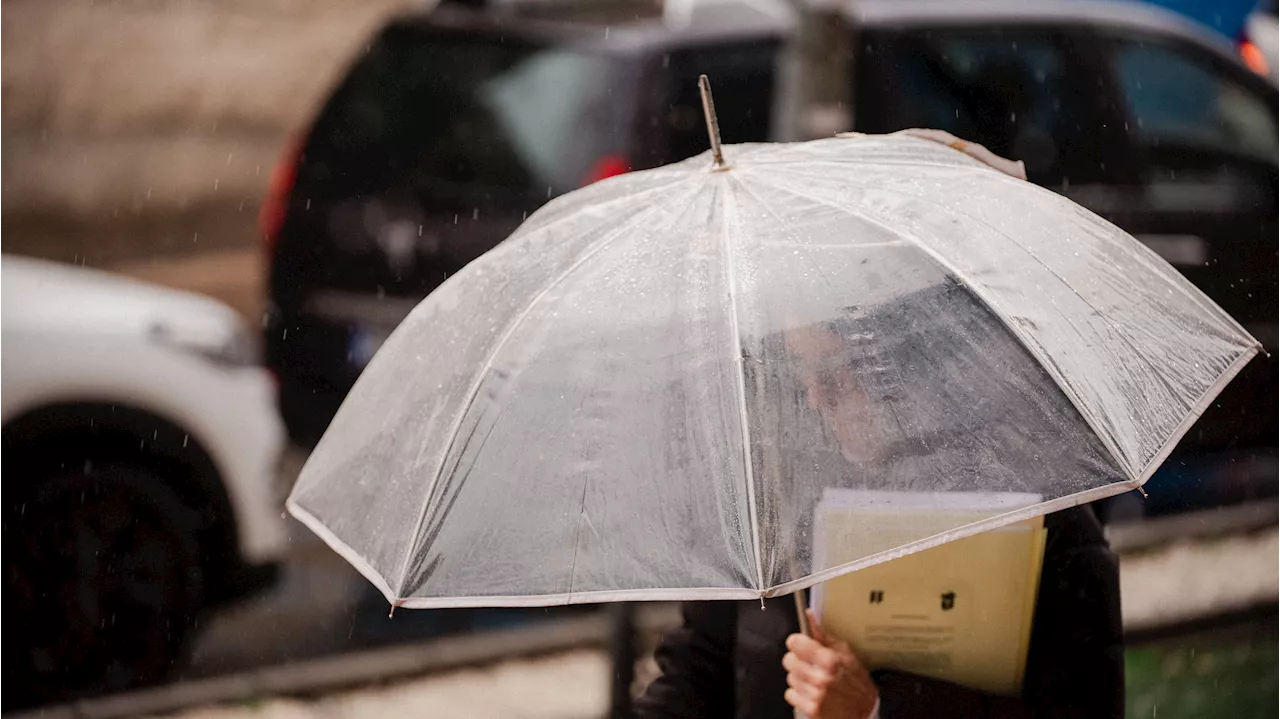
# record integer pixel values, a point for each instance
(726, 658)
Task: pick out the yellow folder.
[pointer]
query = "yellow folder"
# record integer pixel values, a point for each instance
(961, 611)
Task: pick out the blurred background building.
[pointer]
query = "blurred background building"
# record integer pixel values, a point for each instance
(141, 130)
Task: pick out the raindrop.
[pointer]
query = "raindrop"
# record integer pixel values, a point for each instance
(606, 32)
(215, 184)
(419, 230)
(185, 439)
(548, 190)
(308, 203)
(285, 335)
(475, 211)
(455, 218)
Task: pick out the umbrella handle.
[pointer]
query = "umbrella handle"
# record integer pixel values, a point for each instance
(801, 614)
(805, 630)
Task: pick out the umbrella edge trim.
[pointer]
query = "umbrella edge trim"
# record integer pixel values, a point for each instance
(1210, 394)
(343, 549)
(968, 530)
(589, 597)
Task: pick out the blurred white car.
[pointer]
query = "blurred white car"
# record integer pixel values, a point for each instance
(140, 444)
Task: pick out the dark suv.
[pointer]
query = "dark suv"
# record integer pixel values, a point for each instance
(456, 124)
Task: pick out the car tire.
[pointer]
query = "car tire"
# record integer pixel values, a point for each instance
(102, 581)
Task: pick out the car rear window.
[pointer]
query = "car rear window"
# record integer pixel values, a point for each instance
(1010, 90)
(452, 116)
(1182, 100)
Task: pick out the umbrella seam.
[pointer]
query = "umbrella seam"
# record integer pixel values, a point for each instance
(732, 220)
(1070, 394)
(478, 382)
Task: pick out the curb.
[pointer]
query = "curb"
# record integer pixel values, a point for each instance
(362, 668)
(1245, 618)
(1138, 535)
(337, 672)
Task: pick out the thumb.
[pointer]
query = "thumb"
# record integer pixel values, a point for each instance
(816, 629)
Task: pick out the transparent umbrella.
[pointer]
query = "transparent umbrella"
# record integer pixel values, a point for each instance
(648, 389)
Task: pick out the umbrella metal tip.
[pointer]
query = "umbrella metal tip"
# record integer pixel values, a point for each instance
(713, 125)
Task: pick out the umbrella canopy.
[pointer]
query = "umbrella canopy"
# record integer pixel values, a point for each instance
(645, 392)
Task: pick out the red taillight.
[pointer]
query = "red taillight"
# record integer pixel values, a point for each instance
(275, 204)
(608, 166)
(1253, 57)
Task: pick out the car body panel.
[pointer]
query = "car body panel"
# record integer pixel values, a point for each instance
(72, 335)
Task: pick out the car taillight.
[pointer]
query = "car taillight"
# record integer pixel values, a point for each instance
(1253, 57)
(276, 202)
(607, 166)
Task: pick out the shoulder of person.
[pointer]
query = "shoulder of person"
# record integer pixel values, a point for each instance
(1077, 527)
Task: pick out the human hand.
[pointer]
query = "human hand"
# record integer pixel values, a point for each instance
(825, 678)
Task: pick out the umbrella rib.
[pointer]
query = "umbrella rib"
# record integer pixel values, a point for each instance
(1116, 456)
(731, 213)
(474, 391)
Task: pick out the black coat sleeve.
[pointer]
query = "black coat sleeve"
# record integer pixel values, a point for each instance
(697, 666)
(1075, 665)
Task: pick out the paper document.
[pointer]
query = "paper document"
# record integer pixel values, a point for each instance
(961, 611)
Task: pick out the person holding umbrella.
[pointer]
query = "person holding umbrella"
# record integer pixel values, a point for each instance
(644, 393)
(743, 659)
